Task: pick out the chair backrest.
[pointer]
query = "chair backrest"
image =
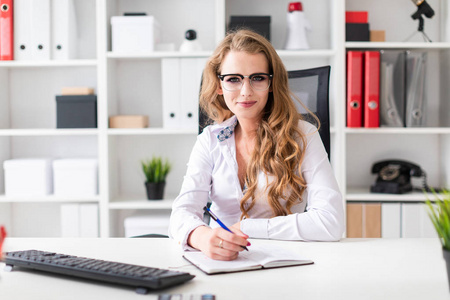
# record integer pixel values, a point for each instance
(311, 87)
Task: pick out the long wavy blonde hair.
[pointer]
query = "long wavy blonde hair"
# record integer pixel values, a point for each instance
(277, 151)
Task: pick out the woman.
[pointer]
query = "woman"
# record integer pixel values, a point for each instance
(264, 169)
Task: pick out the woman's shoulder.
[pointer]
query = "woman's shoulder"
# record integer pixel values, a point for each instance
(306, 127)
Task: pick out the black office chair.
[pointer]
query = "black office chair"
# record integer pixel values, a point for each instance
(311, 87)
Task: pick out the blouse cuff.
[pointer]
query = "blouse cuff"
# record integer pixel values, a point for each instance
(184, 243)
(255, 228)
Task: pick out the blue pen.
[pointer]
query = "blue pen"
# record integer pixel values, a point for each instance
(215, 218)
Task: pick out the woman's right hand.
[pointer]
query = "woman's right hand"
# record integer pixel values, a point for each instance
(218, 243)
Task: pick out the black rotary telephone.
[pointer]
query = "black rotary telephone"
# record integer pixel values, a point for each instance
(394, 176)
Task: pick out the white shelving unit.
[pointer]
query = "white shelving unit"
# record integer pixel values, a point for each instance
(131, 84)
(427, 146)
(28, 124)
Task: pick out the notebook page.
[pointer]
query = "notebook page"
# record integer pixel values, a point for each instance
(273, 256)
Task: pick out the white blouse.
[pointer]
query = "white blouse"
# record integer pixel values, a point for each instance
(212, 175)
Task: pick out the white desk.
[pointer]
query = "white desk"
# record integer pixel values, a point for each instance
(351, 269)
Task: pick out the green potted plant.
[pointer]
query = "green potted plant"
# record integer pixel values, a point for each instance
(155, 171)
(439, 213)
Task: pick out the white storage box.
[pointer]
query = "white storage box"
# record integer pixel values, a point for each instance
(140, 224)
(28, 177)
(134, 33)
(75, 177)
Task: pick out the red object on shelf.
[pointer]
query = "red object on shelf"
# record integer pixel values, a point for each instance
(371, 89)
(295, 6)
(356, 17)
(2, 238)
(6, 30)
(354, 88)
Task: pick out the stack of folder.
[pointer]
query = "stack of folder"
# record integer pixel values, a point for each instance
(386, 88)
(181, 80)
(363, 88)
(37, 29)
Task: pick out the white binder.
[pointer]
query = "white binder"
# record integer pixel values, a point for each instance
(191, 75)
(63, 30)
(170, 69)
(181, 79)
(22, 30)
(40, 29)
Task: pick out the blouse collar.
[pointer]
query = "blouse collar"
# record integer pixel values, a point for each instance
(226, 128)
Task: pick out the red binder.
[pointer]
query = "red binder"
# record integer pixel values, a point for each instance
(354, 88)
(6, 30)
(371, 89)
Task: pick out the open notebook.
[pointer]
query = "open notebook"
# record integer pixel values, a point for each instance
(258, 257)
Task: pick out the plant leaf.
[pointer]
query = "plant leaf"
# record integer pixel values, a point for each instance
(155, 170)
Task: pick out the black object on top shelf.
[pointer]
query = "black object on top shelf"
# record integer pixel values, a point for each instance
(135, 14)
(357, 32)
(259, 24)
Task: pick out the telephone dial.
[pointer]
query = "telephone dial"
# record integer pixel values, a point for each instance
(394, 177)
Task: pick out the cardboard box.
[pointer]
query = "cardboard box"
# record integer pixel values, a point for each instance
(28, 177)
(75, 177)
(146, 223)
(377, 36)
(130, 121)
(75, 90)
(134, 34)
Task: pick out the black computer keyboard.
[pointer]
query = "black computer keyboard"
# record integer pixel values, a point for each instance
(140, 277)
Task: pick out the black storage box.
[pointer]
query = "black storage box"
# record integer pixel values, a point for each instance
(76, 111)
(259, 24)
(357, 32)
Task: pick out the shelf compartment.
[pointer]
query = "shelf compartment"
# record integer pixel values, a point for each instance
(165, 12)
(319, 15)
(126, 153)
(424, 150)
(29, 95)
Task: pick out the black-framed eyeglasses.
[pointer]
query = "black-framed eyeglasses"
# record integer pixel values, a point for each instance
(234, 82)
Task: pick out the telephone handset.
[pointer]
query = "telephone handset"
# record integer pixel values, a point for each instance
(394, 176)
